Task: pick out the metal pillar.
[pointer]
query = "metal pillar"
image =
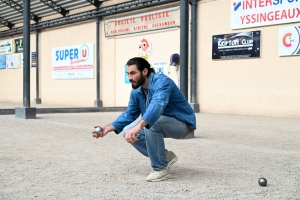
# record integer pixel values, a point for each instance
(97, 102)
(184, 51)
(37, 100)
(193, 72)
(26, 112)
(26, 55)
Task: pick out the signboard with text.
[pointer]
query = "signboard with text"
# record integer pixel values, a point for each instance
(13, 61)
(254, 13)
(2, 62)
(73, 62)
(6, 47)
(18, 45)
(289, 41)
(126, 75)
(236, 45)
(149, 21)
(161, 67)
(33, 59)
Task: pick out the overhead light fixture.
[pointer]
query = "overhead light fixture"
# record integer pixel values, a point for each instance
(6, 23)
(34, 17)
(62, 11)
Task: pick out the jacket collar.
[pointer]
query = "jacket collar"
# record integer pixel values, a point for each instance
(150, 80)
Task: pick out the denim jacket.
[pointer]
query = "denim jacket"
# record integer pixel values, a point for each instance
(164, 98)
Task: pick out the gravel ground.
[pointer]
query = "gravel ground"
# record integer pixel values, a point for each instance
(55, 157)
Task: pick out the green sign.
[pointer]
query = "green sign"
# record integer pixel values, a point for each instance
(19, 45)
(5, 47)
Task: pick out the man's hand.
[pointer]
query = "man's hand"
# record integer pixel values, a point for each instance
(105, 129)
(130, 136)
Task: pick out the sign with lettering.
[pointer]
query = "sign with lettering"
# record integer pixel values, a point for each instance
(18, 45)
(6, 47)
(161, 67)
(13, 61)
(149, 21)
(253, 13)
(33, 59)
(289, 41)
(73, 62)
(2, 62)
(236, 45)
(126, 75)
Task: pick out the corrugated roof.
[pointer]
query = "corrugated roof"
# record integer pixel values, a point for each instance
(11, 11)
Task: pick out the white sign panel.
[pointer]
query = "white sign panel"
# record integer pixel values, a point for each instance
(142, 22)
(73, 62)
(6, 47)
(161, 68)
(253, 13)
(13, 61)
(289, 41)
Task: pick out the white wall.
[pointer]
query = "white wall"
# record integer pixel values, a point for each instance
(266, 86)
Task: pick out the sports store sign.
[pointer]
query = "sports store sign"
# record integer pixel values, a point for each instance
(73, 62)
(252, 13)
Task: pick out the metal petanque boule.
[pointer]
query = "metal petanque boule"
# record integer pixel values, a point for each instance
(98, 130)
(262, 182)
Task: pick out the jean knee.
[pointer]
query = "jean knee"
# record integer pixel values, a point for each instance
(128, 127)
(125, 130)
(123, 133)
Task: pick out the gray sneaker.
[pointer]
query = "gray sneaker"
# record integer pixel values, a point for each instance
(156, 176)
(172, 158)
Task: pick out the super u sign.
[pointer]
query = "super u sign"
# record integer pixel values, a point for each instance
(73, 62)
(84, 52)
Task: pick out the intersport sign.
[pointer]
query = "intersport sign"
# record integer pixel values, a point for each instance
(253, 13)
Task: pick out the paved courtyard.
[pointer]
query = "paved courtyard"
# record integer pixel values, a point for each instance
(55, 157)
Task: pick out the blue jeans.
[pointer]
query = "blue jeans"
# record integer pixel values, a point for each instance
(151, 141)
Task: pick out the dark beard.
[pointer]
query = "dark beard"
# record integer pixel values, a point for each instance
(140, 82)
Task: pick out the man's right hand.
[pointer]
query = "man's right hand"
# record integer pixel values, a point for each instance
(105, 129)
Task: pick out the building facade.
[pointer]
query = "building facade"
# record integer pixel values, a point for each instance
(247, 59)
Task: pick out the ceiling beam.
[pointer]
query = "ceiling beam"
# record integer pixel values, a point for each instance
(20, 9)
(55, 7)
(89, 15)
(6, 23)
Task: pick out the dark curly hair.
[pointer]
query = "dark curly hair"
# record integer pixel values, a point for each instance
(141, 64)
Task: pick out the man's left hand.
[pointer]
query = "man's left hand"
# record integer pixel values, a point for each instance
(130, 136)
